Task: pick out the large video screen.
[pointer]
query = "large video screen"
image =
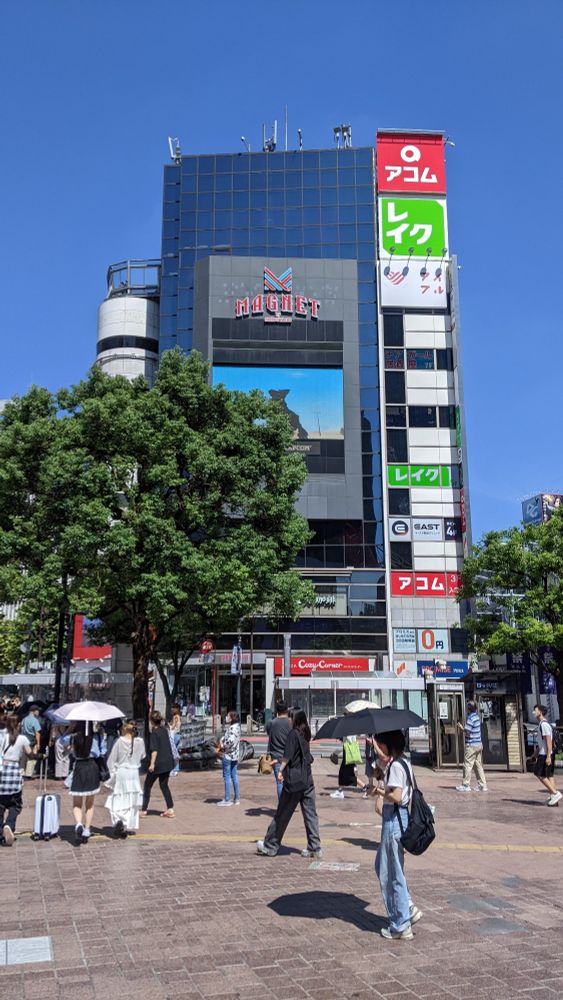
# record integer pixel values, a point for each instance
(313, 398)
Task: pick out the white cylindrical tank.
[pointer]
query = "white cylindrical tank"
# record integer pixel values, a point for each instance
(128, 332)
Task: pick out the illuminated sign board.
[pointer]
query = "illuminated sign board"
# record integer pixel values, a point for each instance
(306, 665)
(277, 303)
(411, 227)
(411, 162)
(419, 475)
(408, 584)
(407, 285)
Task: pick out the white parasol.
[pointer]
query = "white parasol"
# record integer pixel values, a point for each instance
(87, 711)
(359, 704)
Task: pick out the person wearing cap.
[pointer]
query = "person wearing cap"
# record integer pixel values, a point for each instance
(31, 729)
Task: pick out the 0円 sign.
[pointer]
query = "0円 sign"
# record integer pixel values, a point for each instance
(411, 163)
(277, 303)
(408, 584)
(412, 285)
(412, 228)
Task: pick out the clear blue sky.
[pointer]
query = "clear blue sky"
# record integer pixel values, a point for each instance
(91, 91)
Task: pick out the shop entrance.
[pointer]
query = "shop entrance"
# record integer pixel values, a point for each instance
(446, 710)
(491, 708)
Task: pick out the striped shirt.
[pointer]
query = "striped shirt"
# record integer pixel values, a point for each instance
(473, 730)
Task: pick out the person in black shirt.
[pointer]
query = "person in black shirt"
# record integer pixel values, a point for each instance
(160, 765)
(296, 778)
(278, 730)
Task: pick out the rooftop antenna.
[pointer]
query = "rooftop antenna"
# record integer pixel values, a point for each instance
(300, 137)
(343, 136)
(269, 145)
(174, 147)
(246, 143)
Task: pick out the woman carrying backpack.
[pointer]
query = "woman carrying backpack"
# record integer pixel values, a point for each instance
(298, 789)
(390, 860)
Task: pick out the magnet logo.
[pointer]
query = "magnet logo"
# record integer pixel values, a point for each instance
(274, 284)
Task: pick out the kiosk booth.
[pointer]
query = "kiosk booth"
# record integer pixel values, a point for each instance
(499, 705)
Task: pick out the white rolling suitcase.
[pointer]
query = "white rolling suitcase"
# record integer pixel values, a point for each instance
(47, 809)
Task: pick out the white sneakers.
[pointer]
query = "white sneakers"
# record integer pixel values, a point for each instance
(406, 935)
(338, 794)
(553, 800)
(467, 788)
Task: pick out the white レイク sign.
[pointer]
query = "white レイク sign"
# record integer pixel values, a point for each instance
(412, 284)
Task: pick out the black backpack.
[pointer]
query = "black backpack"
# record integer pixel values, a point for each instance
(556, 741)
(419, 834)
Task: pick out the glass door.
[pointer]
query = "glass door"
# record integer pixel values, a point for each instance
(449, 712)
(493, 728)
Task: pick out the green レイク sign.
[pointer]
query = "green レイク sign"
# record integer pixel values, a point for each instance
(415, 227)
(419, 475)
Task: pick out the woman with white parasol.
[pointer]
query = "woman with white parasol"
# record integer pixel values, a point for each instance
(85, 778)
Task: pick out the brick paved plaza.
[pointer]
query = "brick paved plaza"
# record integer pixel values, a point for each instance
(187, 909)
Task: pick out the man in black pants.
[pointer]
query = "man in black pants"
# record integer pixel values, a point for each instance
(295, 770)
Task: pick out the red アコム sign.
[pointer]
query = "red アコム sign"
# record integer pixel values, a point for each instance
(304, 666)
(409, 584)
(411, 162)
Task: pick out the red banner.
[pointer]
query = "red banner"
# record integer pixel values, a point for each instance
(424, 584)
(304, 666)
(411, 162)
(82, 648)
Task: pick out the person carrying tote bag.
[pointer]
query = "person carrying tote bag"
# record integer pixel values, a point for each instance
(298, 789)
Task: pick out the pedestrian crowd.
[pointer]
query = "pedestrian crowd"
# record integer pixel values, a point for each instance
(88, 758)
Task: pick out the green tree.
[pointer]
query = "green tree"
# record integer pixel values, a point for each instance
(515, 578)
(168, 512)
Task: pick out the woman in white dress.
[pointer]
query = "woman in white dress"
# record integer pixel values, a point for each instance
(126, 796)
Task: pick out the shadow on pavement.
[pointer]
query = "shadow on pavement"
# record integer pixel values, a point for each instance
(525, 802)
(328, 906)
(258, 811)
(363, 842)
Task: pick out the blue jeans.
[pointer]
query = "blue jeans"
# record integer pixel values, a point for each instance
(279, 784)
(389, 868)
(176, 737)
(230, 773)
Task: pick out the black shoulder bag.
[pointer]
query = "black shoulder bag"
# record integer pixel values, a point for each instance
(419, 834)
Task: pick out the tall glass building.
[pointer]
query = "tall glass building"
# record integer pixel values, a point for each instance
(324, 278)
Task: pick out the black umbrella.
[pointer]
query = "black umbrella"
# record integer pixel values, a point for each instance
(27, 705)
(369, 721)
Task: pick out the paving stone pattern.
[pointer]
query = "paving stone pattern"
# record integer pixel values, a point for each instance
(187, 909)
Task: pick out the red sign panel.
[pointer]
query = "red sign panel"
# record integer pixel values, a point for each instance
(82, 646)
(402, 584)
(206, 646)
(304, 666)
(411, 162)
(424, 584)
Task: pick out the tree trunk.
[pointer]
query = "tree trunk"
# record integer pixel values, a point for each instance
(558, 672)
(141, 647)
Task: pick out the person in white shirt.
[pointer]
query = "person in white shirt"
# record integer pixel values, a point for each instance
(13, 748)
(390, 859)
(126, 797)
(545, 762)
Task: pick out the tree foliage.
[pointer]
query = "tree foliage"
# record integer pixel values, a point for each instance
(515, 578)
(166, 512)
